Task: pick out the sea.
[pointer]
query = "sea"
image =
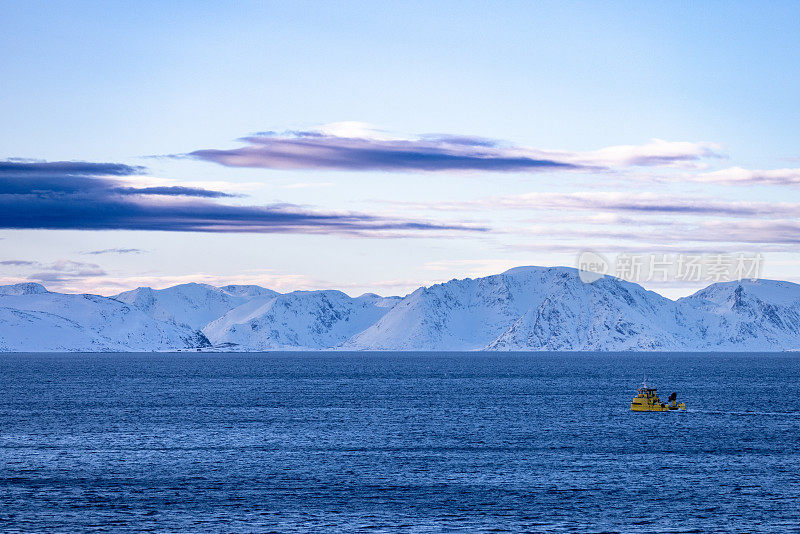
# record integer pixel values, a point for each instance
(398, 442)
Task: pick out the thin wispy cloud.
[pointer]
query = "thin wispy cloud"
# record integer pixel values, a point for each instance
(779, 231)
(57, 271)
(618, 202)
(79, 197)
(17, 263)
(655, 153)
(114, 251)
(64, 270)
(354, 148)
(573, 248)
(720, 231)
(740, 176)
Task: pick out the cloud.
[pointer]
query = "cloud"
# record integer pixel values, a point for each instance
(43, 198)
(655, 153)
(781, 233)
(58, 271)
(114, 214)
(173, 191)
(616, 202)
(115, 251)
(74, 177)
(611, 247)
(740, 176)
(17, 263)
(338, 153)
(67, 269)
(644, 203)
(66, 168)
(354, 148)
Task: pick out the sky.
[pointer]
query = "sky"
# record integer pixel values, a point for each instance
(377, 146)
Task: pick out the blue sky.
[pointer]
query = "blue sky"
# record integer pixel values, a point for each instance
(146, 84)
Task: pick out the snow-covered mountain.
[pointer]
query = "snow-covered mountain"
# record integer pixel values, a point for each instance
(192, 305)
(298, 320)
(33, 319)
(527, 308)
(760, 315)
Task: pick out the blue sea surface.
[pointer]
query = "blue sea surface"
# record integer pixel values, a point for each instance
(397, 442)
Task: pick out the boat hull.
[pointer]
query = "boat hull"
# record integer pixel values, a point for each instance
(657, 407)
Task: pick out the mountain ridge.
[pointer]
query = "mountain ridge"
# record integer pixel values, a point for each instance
(522, 309)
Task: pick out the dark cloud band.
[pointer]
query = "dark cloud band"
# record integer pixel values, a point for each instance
(43, 198)
(363, 149)
(173, 191)
(310, 150)
(67, 168)
(80, 177)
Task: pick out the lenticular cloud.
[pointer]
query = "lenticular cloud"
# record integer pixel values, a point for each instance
(305, 150)
(361, 149)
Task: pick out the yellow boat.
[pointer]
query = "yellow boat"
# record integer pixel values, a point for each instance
(646, 400)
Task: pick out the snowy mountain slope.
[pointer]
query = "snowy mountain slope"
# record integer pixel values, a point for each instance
(760, 315)
(527, 308)
(33, 319)
(27, 288)
(36, 331)
(608, 314)
(193, 305)
(456, 315)
(298, 320)
(248, 291)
